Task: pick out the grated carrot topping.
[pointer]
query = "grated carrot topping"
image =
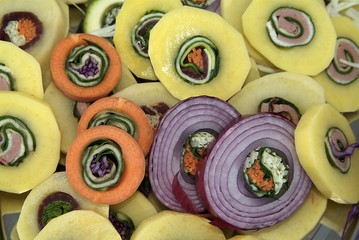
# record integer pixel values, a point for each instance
(198, 1)
(195, 56)
(256, 174)
(27, 28)
(190, 161)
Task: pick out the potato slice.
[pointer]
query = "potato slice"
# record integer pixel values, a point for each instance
(79, 224)
(176, 226)
(183, 32)
(302, 57)
(25, 69)
(309, 140)
(41, 163)
(300, 223)
(300, 90)
(27, 226)
(131, 15)
(137, 207)
(344, 97)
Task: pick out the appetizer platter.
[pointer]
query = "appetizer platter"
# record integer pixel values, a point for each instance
(181, 119)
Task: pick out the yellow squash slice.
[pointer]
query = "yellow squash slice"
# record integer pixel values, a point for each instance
(28, 160)
(196, 52)
(133, 26)
(334, 177)
(79, 225)
(58, 197)
(22, 68)
(291, 34)
(341, 80)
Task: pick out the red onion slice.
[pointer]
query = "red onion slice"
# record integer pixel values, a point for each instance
(183, 119)
(221, 182)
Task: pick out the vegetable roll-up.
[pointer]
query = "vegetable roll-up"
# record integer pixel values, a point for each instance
(196, 52)
(29, 142)
(50, 199)
(134, 24)
(19, 71)
(291, 34)
(340, 79)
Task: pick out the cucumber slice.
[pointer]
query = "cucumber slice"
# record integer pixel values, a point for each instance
(100, 14)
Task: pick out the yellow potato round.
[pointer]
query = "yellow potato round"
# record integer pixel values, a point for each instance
(342, 97)
(309, 59)
(27, 226)
(309, 140)
(41, 163)
(168, 35)
(79, 225)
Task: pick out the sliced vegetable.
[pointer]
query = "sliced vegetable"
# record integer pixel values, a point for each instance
(210, 5)
(291, 34)
(133, 26)
(79, 224)
(100, 15)
(122, 113)
(123, 224)
(275, 93)
(304, 220)
(50, 199)
(321, 122)
(24, 118)
(289, 27)
(33, 29)
(17, 141)
(105, 164)
(85, 67)
(19, 71)
(173, 225)
(196, 120)
(340, 78)
(222, 183)
(199, 57)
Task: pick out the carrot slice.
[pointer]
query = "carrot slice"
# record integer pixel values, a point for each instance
(121, 112)
(133, 162)
(91, 92)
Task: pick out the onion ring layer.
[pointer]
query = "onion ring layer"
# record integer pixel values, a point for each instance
(221, 182)
(182, 120)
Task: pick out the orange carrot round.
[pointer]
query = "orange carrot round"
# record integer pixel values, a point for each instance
(85, 67)
(120, 112)
(130, 165)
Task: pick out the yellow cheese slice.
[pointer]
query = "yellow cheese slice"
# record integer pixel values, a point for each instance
(41, 163)
(342, 97)
(79, 225)
(27, 226)
(301, 59)
(131, 12)
(301, 90)
(25, 69)
(309, 140)
(176, 225)
(167, 37)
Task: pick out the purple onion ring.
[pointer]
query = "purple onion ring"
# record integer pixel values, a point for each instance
(183, 119)
(220, 178)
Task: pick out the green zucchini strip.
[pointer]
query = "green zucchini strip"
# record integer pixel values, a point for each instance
(87, 65)
(6, 78)
(102, 164)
